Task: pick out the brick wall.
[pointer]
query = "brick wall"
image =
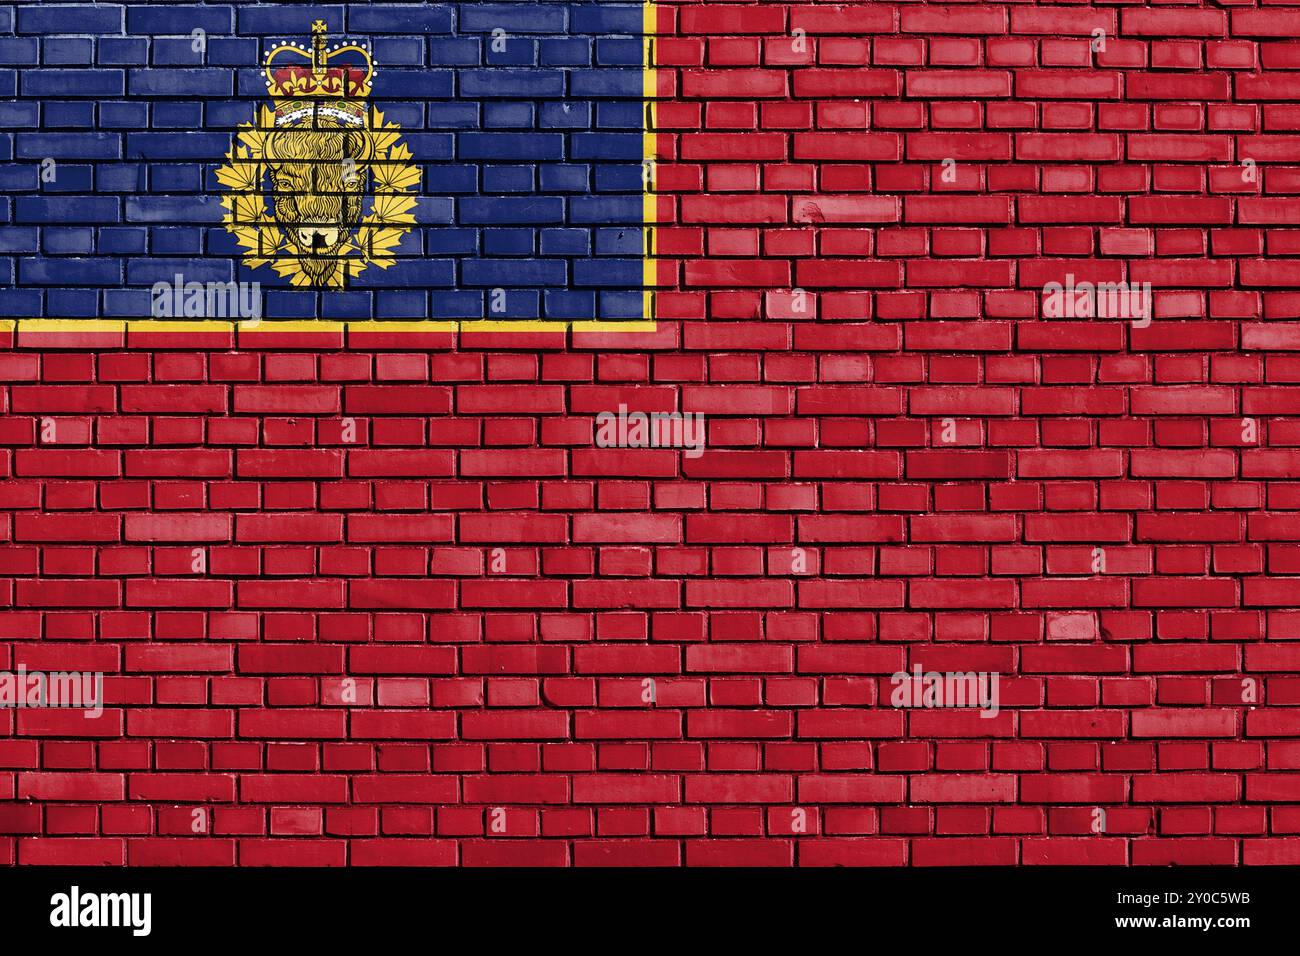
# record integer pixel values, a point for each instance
(430, 642)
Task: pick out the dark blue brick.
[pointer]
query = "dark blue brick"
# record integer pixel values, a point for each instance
(213, 235)
(570, 304)
(411, 273)
(287, 304)
(516, 51)
(510, 146)
(79, 114)
(57, 209)
(71, 178)
(347, 305)
(435, 211)
(454, 51)
(607, 272)
(177, 145)
(20, 302)
(450, 179)
(446, 305)
(409, 116)
(123, 241)
(562, 179)
(70, 18)
(511, 209)
(565, 115)
(122, 178)
(508, 115)
(453, 115)
(43, 271)
(505, 273)
(509, 242)
(179, 19)
(623, 178)
(123, 51)
(128, 303)
(232, 51)
(434, 84)
(565, 242)
(622, 305)
(177, 115)
(395, 18)
(72, 303)
(515, 304)
(174, 209)
(451, 242)
(201, 82)
(508, 179)
(512, 17)
(288, 21)
(564, 51)
(73, 83)
(21, 115)
(149, 271)
(177, 178)
(628, 241)
(16, 240)
(222, 243)
(512, 82)
(19, 51)
(176, 51)
(228, 115)
(399, 51)
(411, 246)
(604, 18)
(123, 115)
(620, 114)
(608, 146)
(606, 209)
(430, 146)
(68, 240)
(402, 304)
(618, 52)
(68, 51)
(606, 82)
(177, 241)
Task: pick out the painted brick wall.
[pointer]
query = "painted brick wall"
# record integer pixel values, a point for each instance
(888, 412)
(525, 120)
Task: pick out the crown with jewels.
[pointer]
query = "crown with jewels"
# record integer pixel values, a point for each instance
(322, 80)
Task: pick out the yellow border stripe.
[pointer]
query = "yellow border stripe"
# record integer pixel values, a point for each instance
(650, 150)
(650, 211)
(361, 326)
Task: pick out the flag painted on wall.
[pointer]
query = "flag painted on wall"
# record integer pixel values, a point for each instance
(435, 165)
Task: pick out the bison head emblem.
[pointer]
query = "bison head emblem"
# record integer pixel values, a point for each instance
(318, 180)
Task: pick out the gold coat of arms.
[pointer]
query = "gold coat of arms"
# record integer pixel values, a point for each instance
(319, 186)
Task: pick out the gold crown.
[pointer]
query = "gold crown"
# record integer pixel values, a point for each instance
(306, 82)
